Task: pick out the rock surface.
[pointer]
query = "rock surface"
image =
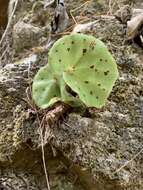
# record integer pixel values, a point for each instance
(101, 152)
(25, 35)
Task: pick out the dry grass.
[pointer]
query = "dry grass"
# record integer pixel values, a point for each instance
(5, 41)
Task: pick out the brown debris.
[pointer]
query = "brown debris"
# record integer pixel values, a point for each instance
(124, 14)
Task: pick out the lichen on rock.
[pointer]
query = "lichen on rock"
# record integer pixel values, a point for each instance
(102, 151)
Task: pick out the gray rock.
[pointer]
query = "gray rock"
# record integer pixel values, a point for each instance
(102, 152)
(101, 149)
(25, 35)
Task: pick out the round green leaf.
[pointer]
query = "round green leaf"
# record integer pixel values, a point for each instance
(45, 89)
(86, 65)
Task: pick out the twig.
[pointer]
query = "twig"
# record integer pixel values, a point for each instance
(85, 6)
(47, 4)
(9, 22)
(111, 6)
(80, 6)
(40, 128)
(78, 9)
(43, 158)
(3, 54)
(135, 156)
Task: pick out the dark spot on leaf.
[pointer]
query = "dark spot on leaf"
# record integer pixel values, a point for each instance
(72, 42)
(60, 60)
(63, 43)
(68, 49)
(97, 97)
(105, 60)
(106, 73)
(99, 84)
(70, 91)
(91, 93)
(103, 89)
(56, 50)
(92, 48)
(96, 70)
(55, 78)
(84, 51)
(101, 59)
(84, 39)
(86, 82)
(72, 102)
(42, 78)
(73, 67)
(92, 66)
